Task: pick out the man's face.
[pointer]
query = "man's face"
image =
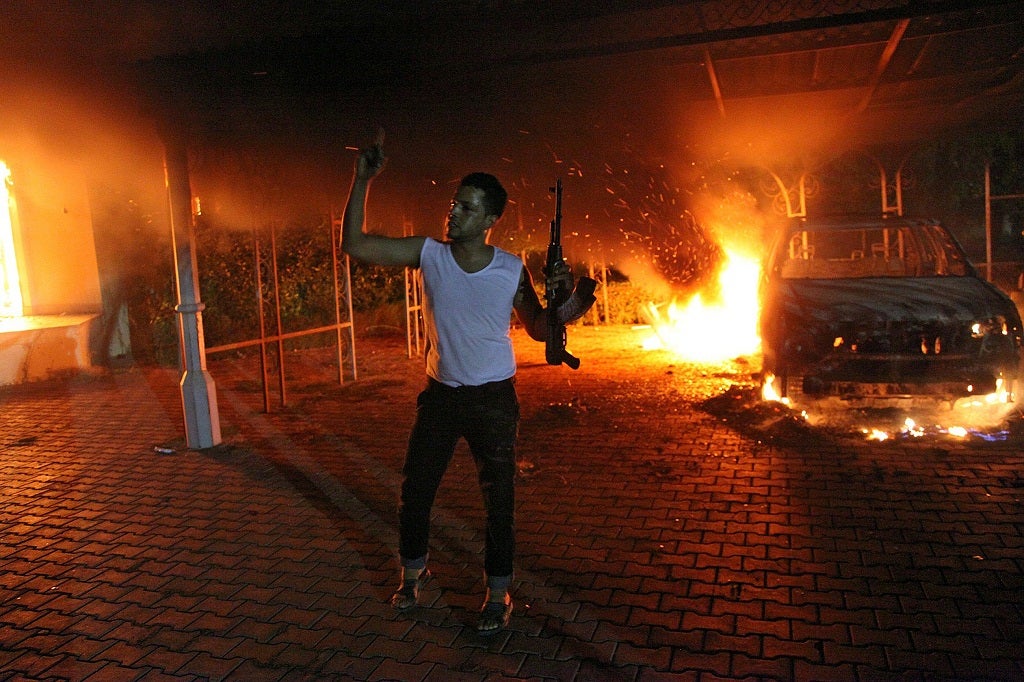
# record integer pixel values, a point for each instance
(467, 217)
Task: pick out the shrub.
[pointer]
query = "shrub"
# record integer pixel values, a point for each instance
(227, 272)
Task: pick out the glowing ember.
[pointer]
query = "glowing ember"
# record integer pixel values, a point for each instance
(911, 429)
(10, 288)
(979, 416)
(768, 391)
(713, 332)
(985, 417)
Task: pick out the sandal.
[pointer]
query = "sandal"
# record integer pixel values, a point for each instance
(494, 616)
(405, 596)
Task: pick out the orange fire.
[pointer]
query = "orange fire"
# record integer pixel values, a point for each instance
(982, 416)
(703, 331)
(769, 392)
(10, 287)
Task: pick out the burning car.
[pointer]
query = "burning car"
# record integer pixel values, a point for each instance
(882, 311)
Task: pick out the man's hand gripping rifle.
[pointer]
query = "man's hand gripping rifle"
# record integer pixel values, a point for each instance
(563, 303)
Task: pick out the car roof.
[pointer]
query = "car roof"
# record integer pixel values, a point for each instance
(858, 222)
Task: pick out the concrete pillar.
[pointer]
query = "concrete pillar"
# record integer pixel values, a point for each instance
(198, 393)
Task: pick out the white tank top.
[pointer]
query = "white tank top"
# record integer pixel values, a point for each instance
(468, 316)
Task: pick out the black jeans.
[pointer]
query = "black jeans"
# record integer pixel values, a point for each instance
(487, 417)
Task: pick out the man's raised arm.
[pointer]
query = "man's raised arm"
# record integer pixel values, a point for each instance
(355, 241)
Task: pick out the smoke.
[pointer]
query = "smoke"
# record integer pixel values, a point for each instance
(801, 130)
(734, 219)
(631, 156)
(68, 99)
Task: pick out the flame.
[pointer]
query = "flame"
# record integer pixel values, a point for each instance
(769, 393)
(912, 429)
(713, 332)
(10, 288)
(982, 416)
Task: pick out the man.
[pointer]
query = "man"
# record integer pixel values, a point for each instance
(470, 289)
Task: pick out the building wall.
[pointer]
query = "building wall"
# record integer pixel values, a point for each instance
(58, 269)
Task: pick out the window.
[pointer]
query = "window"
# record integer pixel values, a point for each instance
(10, 288)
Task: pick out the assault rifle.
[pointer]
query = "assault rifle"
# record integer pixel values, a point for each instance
(560, 293)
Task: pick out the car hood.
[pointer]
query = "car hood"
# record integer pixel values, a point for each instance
(926, 299)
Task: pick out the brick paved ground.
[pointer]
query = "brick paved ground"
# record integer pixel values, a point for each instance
(662, 536)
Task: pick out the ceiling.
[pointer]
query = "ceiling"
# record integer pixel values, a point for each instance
(879, 72)
(737, 78)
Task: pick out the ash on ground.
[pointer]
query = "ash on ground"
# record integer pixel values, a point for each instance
(777, 423)
(766, 421)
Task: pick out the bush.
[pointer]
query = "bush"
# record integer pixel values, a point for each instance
(227, 272)
(227, 266)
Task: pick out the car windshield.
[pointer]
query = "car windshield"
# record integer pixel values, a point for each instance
(898, 250)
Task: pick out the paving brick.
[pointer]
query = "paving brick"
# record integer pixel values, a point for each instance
(571, 649)
(113, 672)
(628, 655)
(402, 651)
(166, 660)
(998, 668)
(803, 670)
(205, 665)
(446, 656)
(706, 662)
(719, 623)
(209, 622)
(743, 667)
(751, 645)
(257, 672)
(650, 675)
(161, 676)
(34, 664)
(394, 670)
(655, 526)
(609, 632)
(174, 640)
(440, 674)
